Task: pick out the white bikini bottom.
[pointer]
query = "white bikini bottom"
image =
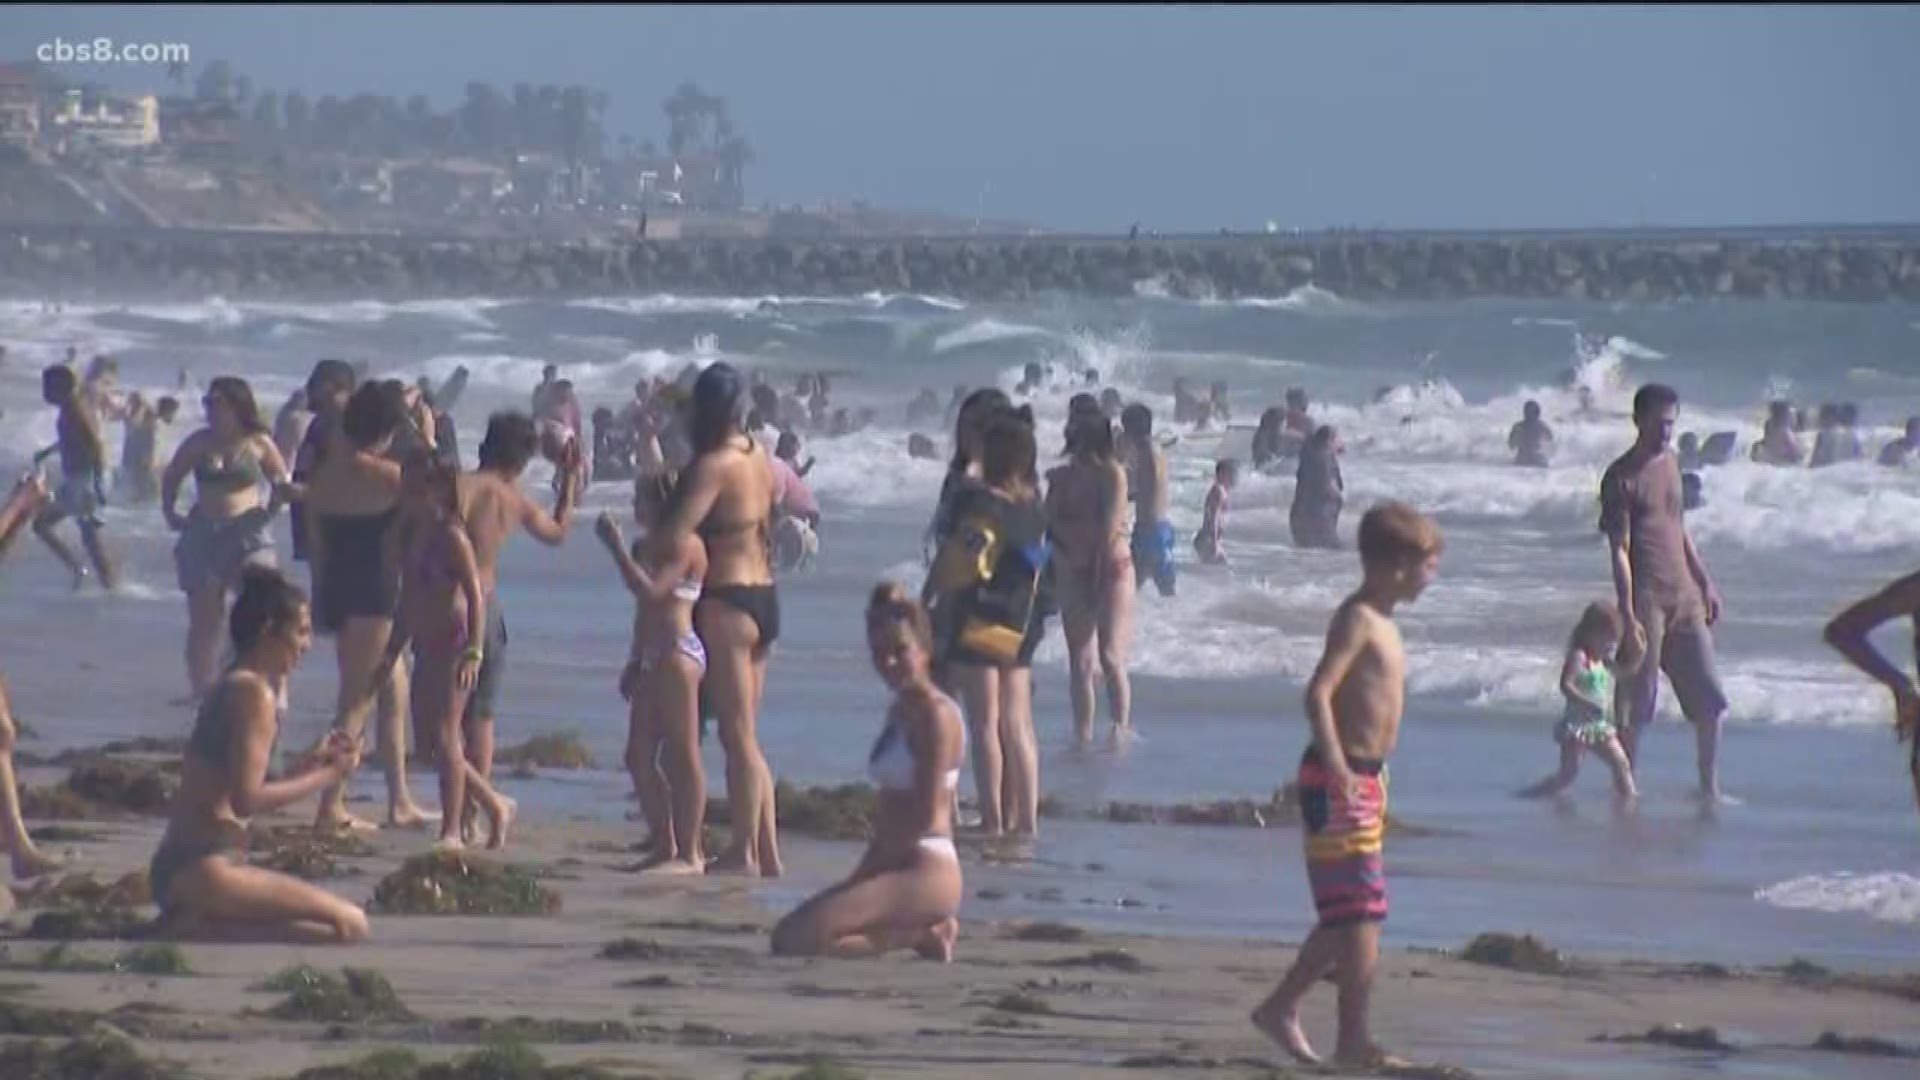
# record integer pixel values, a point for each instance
(939, 845)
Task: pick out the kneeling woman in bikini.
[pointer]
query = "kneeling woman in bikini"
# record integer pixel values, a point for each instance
(204, 890)
(906, 891)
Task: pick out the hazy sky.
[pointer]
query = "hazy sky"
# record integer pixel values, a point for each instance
(1187, 117)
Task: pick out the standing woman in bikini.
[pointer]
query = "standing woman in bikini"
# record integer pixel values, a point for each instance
(352, 500)
(238, 479)
(726, 496)
(906, 891)
(1087, 508)
(962, 471)
(992, 624)
(203, 889)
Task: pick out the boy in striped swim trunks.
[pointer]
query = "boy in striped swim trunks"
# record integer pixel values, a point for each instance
(1354, 703)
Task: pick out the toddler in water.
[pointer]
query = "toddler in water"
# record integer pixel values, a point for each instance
(1213, 523)
(661, 682)
(1586, 679)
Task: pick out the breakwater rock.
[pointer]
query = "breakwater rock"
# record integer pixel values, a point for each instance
(79, 262)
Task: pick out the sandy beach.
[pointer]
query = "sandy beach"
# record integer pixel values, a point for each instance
(690, 989)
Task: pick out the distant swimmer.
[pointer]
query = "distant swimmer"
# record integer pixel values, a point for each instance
(1031, 380)
(1778, 445)
(1152, 543)
(549, 375)
(922, 448)
(1718, 449)
(1267, 438)
(1111, 404)
(1531, 440)
(924, 409)
(1319, 491)
(1299, 426)
(1692, 492)
(1208, 542)
(1188, 407)
(1896, 453)
(1217, 403)
(1688, 451)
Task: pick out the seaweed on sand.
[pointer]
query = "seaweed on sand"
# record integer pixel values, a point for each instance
(505, 1061)
(1524, 953)
(629, 948)
(122, 785)
(1871, 1046)
(360, 995)
(826, 813)
(461, 883)
(814, 1067)
(1051, 932)
(554, 750)
(93, 1056)
(128, 890)
(156, 958)
(1106, 959)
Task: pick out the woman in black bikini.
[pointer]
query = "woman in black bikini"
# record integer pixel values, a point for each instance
(726, 496)
(203, 890)
(352, 500)
(1850, 634)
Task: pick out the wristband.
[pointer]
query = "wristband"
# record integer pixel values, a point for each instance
(474, 654)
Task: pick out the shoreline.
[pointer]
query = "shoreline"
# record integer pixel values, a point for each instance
(675, 978)
(1839, 265)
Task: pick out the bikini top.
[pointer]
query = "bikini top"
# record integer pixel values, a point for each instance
(688, 590)
(890, 765)
(238, 475)
(212, 737)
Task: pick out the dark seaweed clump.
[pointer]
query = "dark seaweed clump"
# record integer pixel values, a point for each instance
(1052, 932)
(507, 1061)
(94, 1056)
(1104, 959)
(461, 883)
(554, 750)
(122, 785)
(360, 995)
(826, 813)
(1524, 953)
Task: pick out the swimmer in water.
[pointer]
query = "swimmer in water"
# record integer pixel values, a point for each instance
(1531, 440)
(1778, 444)
(1213, 519)
(1896, 453)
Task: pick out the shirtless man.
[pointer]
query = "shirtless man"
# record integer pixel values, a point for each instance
(1147, 479)
(83, 464)
(494, 508)
(1531, 440)
(1662, 588)
(1354, 702)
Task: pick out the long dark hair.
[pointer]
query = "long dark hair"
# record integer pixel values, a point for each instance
(974, 411)
(268, 601)
(239, 398)
(1008, 450)
(713, 409)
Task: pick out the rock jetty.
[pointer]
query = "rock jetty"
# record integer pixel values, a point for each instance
(80, 262)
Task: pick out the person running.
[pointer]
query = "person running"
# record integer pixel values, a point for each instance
(1354, 703)
(661, 682)
(1319, 492)
(352, 501)
(1207, 543)
(25, 859)
(1087, 511)
(989, 616)
(726, 497)
(1153, 539)
(82, 491)
(1586, 681)
(907, 889)
(1666, 599)
(204, 889)
(494, 509)
(442, 616)
(1850, 634)
(239, 479)
(1531, 440)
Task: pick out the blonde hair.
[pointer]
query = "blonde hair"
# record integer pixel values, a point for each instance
(1394, 534)
(889, 606)
(1599, 617)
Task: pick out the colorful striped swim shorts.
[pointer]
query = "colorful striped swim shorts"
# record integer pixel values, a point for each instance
(1343, 841)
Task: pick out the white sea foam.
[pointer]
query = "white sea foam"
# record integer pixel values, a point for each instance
(982, 332)
(1887, 895)
(1308, 297)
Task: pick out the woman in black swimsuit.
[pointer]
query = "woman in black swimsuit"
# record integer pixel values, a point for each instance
(352, 501)
(203, 889)
(1850, 634)
(726, 496)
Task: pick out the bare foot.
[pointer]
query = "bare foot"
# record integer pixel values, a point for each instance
(734, 862)
(1283, 1027)
(31, 864)
(338, 826)
(937, 943)
(411, 816)
(675, 868)
(449, 843)
(503, 817)
(1371, 1059)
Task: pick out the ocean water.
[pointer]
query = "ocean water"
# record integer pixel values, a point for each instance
(1821, 858)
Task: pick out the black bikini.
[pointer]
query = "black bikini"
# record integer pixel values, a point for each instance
(761, 603)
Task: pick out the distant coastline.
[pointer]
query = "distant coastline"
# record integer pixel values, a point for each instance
(1836, 263)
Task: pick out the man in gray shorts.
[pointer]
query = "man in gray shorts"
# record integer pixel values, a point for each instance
(1667, 602)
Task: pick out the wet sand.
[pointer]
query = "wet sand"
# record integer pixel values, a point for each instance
(703, 997)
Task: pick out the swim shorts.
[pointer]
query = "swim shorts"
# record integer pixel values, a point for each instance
(80, 498)
(1153, 555)
(1345, 869)
(1680, 643)
(493, 664)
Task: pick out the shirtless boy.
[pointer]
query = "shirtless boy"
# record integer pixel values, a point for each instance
(1354, 703)
(1147, 480)
(82, 490)
(495, 508)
